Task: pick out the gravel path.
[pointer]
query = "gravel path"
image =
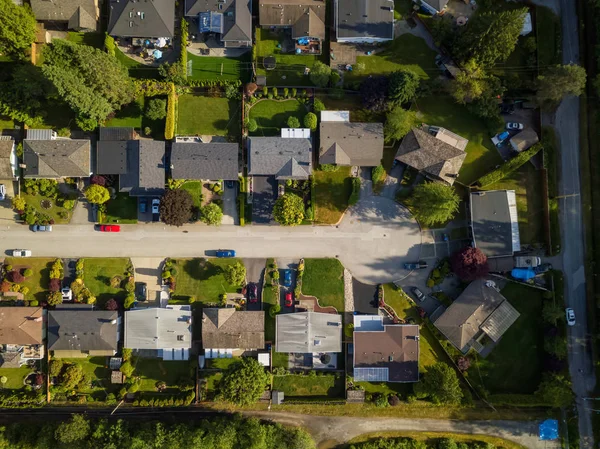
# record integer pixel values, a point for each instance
(348, 292)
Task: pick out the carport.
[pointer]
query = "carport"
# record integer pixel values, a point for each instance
(264, 191)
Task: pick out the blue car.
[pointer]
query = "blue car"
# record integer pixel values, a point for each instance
(225, 253)
(287, 278)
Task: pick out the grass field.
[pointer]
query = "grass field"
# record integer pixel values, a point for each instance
(38, 282)
(150, 371)
(272, 115)
(350, 101)
(15, 377)
(220, 68)
(36, 200)
(327, 385)
(200, 115)
(332, 190)
(6, 123)
(221, 364)
(97, 273)
(122, 209)
(136, 69)
(195, 189)
(130, 115)
(324, 278)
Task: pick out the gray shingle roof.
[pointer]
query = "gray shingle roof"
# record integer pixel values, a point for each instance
(56, 158)
(365, 19)
(148, 156)
(236, 16)
(6, 150)
(80, 14)
(158, 328)
(431, 155)
(308, 332)
(306, 17)
(230, 329)
(280, 157)
(347, 143)
(111, 156)
(205, 161)
(82, 330)
(158, 18)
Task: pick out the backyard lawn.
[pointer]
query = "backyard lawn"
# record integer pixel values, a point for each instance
(136, 69)
(482, 157)
(326, 385)
(332, 190)
(92, 39)
(129, 115)
(195, 189)
(220, 68)
(15, 377)
(38, 282)
(324, 278)
(122, 209)
(200, 115)
(97, 273)
(350, 101)
(202, 279)
(6, 123)
(272, 115)
(150, 371)
(54, 212)
(221, 364)
(97, 370)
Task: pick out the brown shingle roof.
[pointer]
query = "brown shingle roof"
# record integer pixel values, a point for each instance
(229, 329)
(56, 158)
(348, 143)
(307, 17)
(21, 325)
(6, 148)
(80, 14)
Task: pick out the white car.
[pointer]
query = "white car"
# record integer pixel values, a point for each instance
(155, 205)
(21, 253)
(2, 192)
(514, 126)
(570, 316)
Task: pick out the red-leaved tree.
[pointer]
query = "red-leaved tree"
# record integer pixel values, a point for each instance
(54, 285)
(469, 264)
(111, 304)
(5, 286)
(16, 277)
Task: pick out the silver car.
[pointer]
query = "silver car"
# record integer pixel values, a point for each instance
(41, 228)
(21, 253)
(570, 316)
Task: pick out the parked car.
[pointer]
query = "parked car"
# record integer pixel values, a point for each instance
(110, 228)
(2, 192)
(501, 138)
(225, 253)
(67, 294)
(570, 316)
(41, 228)
(287, 278)
(21, 253)
(143, 205)
(230, 184)
(289, 300)
(252, 292)
(155, 205)
(141, 290)
(421, 264)
(418, 293)
(514, 126)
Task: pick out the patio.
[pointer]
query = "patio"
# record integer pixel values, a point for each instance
(150, 52)
(209, 44)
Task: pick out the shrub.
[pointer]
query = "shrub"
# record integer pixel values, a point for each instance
(156, 109)
(274, 310)
(127, 369)
(54, 285)
(129, 300)
(394, 400)
(318, 106)
(252, 125)
(97, 179)
(430, 283)
(54, 298)
(18, 203)
(111, 304)
(328, 168)
(355, 194)
(509, 166)
(115, 281)
(381, 400)
(293, 122)
(294, 92)
(310, 121)
(170, 123)
(16, 277)
(33, 303)
(319, 74)
(286, 92)
(378, 174)
(5, 286)
(109, 45)
(334, 78)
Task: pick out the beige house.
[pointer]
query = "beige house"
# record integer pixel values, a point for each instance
(228, 332)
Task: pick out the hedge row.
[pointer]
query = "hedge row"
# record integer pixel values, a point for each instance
(152, 88)
(242, 211)
(213, 83)
(184, 38)
(354, 196)
(170, 124)
(509, 166)
(109, 45)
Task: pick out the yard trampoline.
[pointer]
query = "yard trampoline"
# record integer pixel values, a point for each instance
(269, 62)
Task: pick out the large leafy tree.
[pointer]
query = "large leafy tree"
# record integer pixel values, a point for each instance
(176, 207)
(469, 264)
(434, 203)
(289, 210)
(157, 109)
(73, 431)
(97, 194)
(440, 384)
(320, 73)
(555, 390)
(557, 346)
(91, 81)
(71, 376)
(552, 313)
(17, 27)
(469, 83)
(244, 382)
(235, 273)
(403, 86)
(211, 214)
(373, 93)
(398, 123)
(559, 82)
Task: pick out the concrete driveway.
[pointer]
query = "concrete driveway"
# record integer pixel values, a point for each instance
(7, 214)
(264, 194)
(148, 270)
(255, 269)
(292, 265)
(230, 208)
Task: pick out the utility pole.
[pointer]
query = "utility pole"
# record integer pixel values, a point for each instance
(118, 405)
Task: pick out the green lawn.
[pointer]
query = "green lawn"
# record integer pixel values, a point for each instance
(332, 190)
(54, 211)
(482, 157)
(195, 189)
(324, 278)
(350, 101)
(327, 385)
(38, 282)
(548, 36)
(6, 123)
(97, 273)
(220, 68)
(289, 70)
(400, 389)
(92, 39)
(406, 52)
(221, 364)
(136, 69)
(151, 371)
(200, 115)
(122, 209)
(130, 115)
(202, 279)
(15, 377)
(515, 365)
(98, 371)
(272, 115)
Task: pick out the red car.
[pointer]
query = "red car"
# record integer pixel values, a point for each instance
(110, 228)
(289, 302)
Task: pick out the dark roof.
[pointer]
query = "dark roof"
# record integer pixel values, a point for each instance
(438, 5)
(347, 143)
(495, 223)
(56, 158)
(80, 14)
(82, 330)
(360, 19)
(431, 155)
(115, 133)
(158, 18)
(227, 328)
(236, 16)
(306, 17)
(205, 161)
(111, 156)
(6, 149)
(280, 157)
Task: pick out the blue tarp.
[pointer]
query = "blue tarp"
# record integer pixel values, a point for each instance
(303, 41)
(523, 273)
(157, 54)
(549, 430)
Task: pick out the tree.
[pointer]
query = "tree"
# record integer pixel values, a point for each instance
(556, 346)
(73, 431)
(244, 382)
(373, 93)
(98, 179)
(469, 264)
(126, 368)
(320, 73)
(403, 86)
(552, 313)
(434, 203)
(252, 125)
(111, 304)
(54, 284)
(310, 121)
(440, 384)
(293, 122)
(56, 366)
(54, 298)
(211, 214)
(176, 207)
(235, 274)
(558, 82)
(289, 210)
(71, 376)
(157, 109)
(17, 27)
(555, 390)
(97, 194)
(398, 123)
(16, 277)
(129, 300)
(469, 83)
(27, 272)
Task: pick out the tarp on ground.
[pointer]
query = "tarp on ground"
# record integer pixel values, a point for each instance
(549, 430)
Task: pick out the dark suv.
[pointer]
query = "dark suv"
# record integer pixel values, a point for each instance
(252, 292)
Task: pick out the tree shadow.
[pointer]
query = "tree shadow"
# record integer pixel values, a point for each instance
(201, 269)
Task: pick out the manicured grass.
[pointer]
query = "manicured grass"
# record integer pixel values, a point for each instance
(350, 101)
(130, 115)
(200, 115)
(482, 157)
(399, 389)
(37, 283)
(548, 36)
(280, 359)
(15, 377)
(195, 189)
(122, 209)
(36, 200)
(221, 364)
(150, 371)
(527, 184)
(92, 39)
(332, 190)
(97, 273)
(272, 115)
(6, 123)
(202, 279)
(515, 365)
(406, 52)
(324, 278)
(220, 68)
(431, 438)
(97, 370)
(136, 69)
(327, 385)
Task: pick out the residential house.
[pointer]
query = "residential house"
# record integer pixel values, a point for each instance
(436, 152)
(205, 161)
(524, 140)
(348, 143)
(78, 15)
(8, 159)
(283, 158)
(228, 332)
(364, 21)
(46, 156)
(494, 222)
(432, 7)
(140, 164)
(162, 333)
(21, 335)
(231, 20)
(78, 331)
(308, 333)
(304, 18)
(142, 19)
(385, 352)
(480, 312)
